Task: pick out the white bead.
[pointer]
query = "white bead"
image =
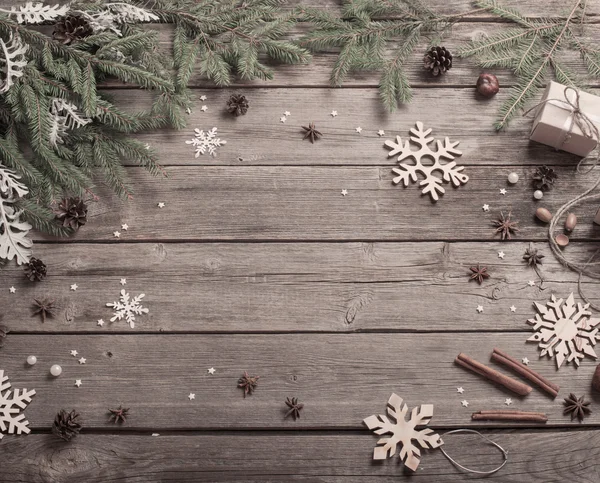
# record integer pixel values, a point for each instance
(538, 194)
(513, 178)
(31, 360)
(56, 370)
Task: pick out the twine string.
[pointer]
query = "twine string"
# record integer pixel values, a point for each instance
(469, 470)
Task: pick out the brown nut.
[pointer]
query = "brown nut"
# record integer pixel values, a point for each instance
(543, 214)
(562, 240)
(570, 222)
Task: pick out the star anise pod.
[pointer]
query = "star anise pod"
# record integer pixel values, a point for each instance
(248, 383)
(505, 226)
(118, 415)
(544, 178)
(532, 256)
(311, 133)
(479, 273)
(295, 407)
(45, 308)
(577, 407)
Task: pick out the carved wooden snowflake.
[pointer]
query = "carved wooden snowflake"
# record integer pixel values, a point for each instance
(11, 404)
(565, 330)
(127, 307)
(403, 432)
(206, 141)
(427, 162)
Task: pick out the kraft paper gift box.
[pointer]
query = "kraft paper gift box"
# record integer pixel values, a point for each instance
(553, 124)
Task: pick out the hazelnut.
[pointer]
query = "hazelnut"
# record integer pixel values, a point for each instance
(543, 214)
(570, 222)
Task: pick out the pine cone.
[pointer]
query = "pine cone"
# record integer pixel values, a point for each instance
(72, 212)
(544, 178)
(35, 270)
(66, 425)
(70, 28)
(237, 105)
(438, 60)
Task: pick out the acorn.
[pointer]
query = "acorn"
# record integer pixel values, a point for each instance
(570, 222)
(596, 379)
(488, 85)
(562, 240)
(543, 214)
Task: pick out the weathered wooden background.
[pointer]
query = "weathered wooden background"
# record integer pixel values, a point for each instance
(258, 263)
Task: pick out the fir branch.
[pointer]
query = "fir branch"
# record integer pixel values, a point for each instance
(530, 51)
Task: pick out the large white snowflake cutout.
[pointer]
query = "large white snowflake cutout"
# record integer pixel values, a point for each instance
(11, 404)
(403, 432)
(206, 141)
(127, 308)
(565, 330)
(427, 162)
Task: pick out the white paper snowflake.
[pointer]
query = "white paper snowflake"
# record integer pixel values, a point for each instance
(565, 330)
(127, 308)
(11, 404)
(408, 172)
(403, 432)
(206, 141)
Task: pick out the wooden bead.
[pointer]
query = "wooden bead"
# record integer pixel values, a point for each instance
(543, 214)
(570, 222)
(596, 379)
(562, 240)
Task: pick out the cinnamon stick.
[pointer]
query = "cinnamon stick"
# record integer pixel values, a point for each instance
(493, 375)
(528, 373)
(509, 415)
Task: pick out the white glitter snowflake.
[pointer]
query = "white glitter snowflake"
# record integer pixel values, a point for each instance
(11, 404)
(565, 330)
(403, 432)
(127, 308)
(206, 141)
(408, 172)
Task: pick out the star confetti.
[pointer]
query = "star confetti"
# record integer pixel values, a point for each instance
(74, 353)
(358, 129)
(117, 234)
(334, 113)
(12, 290)
(381, 132)
(212, 370)
(83, 360)
(508, 401)
(123, 281)
(460, 390)
(464, 403)
(191, 396)
(78, 382)
(160, 204)
(502, 191)
(513, 308)
(486, 207)
(480, 308)
(344, 192)
(525, 361)
(74, 287)
(501, 255)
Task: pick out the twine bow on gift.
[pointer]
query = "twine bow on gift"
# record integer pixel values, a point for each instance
(585, 122)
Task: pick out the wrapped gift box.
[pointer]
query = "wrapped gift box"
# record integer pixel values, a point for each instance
(553, 120)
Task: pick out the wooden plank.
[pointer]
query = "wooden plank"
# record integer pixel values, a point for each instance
(341, 379)
(211, 203)
(259, 138)
(278, 287)
(322, 457)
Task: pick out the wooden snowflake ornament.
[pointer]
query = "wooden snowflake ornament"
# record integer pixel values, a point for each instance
(12, 420)
(427, 162)
(565, 330)
(403, 432)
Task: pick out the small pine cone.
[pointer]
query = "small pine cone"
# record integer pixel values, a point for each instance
(237, 105)
(72, 213)
(543, 178)
(438, 60)
(35, 270)
(66, 425)
(70, 28)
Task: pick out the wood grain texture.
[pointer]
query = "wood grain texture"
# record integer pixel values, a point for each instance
(535, 457)
(258, 203)
(299, 287)
(259, 138)
(341, 378)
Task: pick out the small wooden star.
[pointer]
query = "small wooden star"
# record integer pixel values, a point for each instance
(78, 382)
(12, 290)
(502, 191)
(460, 390)
(464, 403)
(508, 401)
(334, 113)
(486, 207)
(191, 396)
(83, 360)
(204, 108)
(311, 133)
(480, 308)
(74, 287)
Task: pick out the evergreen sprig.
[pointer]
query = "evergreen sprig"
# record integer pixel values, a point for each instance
(59, 132)
(375, 35)
(531, 50)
